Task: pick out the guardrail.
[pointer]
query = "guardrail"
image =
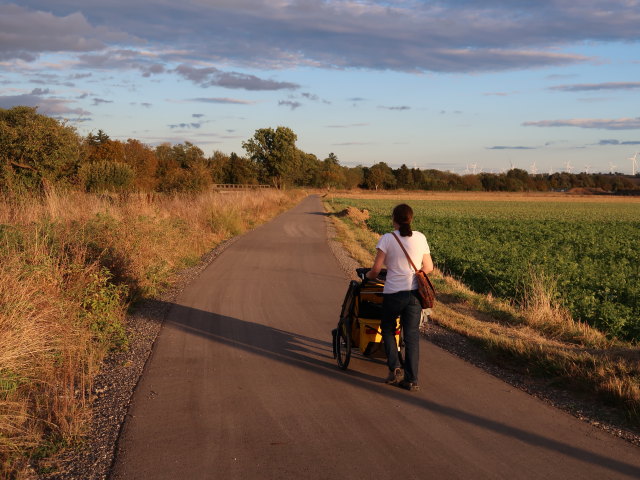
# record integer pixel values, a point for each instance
(238, 186)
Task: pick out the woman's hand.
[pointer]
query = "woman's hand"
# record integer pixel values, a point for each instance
(377, 265)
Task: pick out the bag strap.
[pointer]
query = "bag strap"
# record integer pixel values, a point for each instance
(405, 251)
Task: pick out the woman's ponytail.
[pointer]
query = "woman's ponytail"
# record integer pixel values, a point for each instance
(403, 216)
(405, 230)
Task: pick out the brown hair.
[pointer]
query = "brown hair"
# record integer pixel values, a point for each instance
(403, 216)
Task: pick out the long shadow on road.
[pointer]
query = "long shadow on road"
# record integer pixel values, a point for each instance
(315, 355)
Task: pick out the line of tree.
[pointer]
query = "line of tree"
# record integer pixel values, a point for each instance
(37, 151)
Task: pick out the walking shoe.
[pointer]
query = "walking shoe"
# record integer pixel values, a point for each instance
(407, 385)
(394, 377)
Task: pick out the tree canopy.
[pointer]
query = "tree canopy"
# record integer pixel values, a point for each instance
(36, 150)
(276, 153)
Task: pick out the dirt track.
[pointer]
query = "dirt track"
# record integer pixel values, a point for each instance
(242, 384)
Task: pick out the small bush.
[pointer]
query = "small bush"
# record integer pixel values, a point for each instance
(105, 176)
(103, 303)
(188, 180)
(225, 221)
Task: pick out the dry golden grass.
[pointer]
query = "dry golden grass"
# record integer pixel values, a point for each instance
(356, 238)
(70, 265)
(538, 336)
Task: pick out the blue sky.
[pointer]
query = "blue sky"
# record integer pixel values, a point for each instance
(454, 85)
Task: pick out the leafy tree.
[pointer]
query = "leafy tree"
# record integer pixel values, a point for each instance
(166, 162)
(354, 177)
(276, 153)
(35, 149)
(404, 177)
(105, 150)
(99, 138)
(216, 164)
(181, 168)
(240, 170)
(380, 176)
(518, 180)
(142, 159)
(471, 182)
(331, 175)
(187, 155)
(438, 180)
(418, 178)
(309, 166)
(560, 181)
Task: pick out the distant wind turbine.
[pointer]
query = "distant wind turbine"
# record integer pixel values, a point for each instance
(612, 167)
(634, 164)
(587, 169)
(568, 167)
(533, 168)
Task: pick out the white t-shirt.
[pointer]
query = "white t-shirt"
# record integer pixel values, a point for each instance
(400, 274)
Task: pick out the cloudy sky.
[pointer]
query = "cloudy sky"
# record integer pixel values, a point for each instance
(436, 84)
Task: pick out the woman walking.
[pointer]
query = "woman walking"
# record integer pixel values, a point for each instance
(400, 294)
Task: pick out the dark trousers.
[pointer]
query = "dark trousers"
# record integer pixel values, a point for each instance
(406, 306)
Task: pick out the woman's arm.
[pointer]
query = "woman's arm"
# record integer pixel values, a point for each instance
(427, 263)
(377, 265)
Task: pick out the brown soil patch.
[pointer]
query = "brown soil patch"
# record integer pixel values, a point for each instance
(587, 191)
(357, 216)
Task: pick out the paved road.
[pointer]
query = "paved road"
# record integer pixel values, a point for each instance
(242, 385)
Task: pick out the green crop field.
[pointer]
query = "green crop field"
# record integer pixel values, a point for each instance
(591, 250)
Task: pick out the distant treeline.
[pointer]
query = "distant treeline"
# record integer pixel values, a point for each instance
(37, 151)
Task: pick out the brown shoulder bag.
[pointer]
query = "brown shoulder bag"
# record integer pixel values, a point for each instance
(426, 291)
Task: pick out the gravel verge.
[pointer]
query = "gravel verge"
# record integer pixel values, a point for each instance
(582, 406)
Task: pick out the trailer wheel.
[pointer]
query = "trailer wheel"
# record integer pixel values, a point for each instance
(343, 345)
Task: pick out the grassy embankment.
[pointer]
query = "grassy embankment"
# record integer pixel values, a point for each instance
(71, 265)
(536, 336)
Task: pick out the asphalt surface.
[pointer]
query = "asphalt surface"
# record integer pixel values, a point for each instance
(242, 384)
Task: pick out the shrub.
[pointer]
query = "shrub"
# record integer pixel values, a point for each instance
(105, 176)
(191, 180)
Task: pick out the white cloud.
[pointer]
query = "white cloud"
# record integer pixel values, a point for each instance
(24, 33)
(505, 147)
(292, 104)
(220, 100)
(211, 76)
(401, 35)
(605, 124)
(585, 87)
(396, 107)
(52, 106)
